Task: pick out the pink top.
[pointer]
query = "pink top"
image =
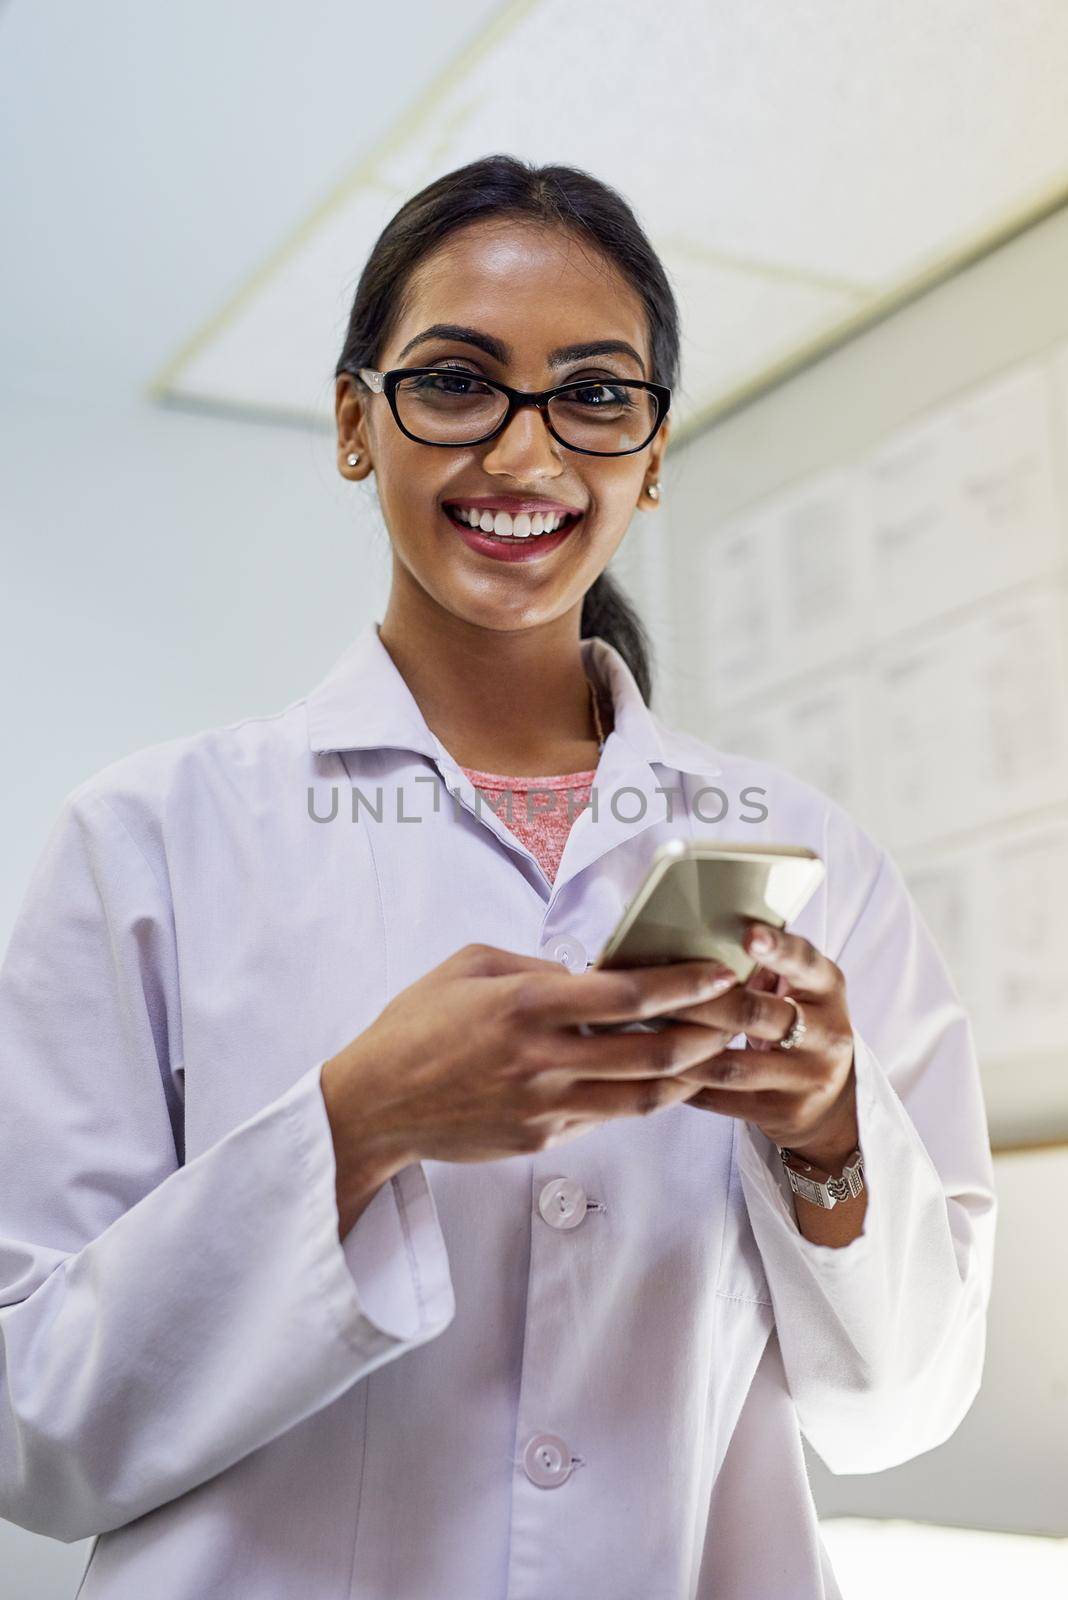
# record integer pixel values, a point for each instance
(539, 811)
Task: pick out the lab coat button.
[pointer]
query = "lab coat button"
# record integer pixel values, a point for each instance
(570, 954)
(562, 1202)
(547, 1460)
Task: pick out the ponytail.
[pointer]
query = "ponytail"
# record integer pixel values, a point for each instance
(607, 612)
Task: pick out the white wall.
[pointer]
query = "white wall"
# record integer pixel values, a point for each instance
(163, 572)
(1007, 1466)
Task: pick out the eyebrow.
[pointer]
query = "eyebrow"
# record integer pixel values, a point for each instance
(500, 351)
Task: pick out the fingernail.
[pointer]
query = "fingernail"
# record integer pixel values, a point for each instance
(761, 940)
(720, 981)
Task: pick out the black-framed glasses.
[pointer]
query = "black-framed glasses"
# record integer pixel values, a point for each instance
(452, 407)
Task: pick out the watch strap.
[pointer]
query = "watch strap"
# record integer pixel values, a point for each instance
(825, 1192)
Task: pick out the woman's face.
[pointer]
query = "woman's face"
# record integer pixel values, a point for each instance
(531, 290)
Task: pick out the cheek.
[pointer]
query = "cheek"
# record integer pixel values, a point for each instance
(615, 513)
(617, 497)
(406, 485)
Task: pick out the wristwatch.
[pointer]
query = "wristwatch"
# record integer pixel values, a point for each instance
(829, 1191)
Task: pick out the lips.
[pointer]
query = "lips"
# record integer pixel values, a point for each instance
(513, 548)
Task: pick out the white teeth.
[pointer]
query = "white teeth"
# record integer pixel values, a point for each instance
(505, 526)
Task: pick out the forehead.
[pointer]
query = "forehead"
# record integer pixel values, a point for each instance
(532, 285)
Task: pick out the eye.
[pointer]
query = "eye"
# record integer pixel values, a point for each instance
(596, 395)
(448, 379)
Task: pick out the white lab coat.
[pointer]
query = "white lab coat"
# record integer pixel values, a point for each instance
(581, 1372)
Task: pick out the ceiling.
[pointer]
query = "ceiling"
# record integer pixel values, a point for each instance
(801, 167)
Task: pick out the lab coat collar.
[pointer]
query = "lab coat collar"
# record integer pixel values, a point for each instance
(365, 703)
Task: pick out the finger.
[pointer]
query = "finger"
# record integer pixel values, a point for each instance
(765, 1018)
(727, 1103)
(628, 994)
(676, 1049)
(572, 1127)
(808, 971)
(704, 1013)
(598, 1100)
(762, 978)
(755, 1071)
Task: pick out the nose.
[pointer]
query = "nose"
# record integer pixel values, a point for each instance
(526, 449)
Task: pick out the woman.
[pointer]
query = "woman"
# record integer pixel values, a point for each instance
(339, 1259)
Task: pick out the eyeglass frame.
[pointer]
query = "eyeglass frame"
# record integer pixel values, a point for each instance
(386, 383)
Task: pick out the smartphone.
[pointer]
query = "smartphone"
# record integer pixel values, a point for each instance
(698, 898)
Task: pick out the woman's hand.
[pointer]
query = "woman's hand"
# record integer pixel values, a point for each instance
(804, 1098)
(482, 1057)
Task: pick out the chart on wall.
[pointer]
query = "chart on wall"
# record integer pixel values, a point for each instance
(907, 654)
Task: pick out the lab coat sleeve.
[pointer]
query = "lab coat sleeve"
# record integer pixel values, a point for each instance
(883, 1339)
(160, 1320)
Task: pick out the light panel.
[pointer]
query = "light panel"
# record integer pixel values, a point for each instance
(799, 168)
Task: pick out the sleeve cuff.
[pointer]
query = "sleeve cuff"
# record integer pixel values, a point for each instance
(388, 1281)
(895, 1163)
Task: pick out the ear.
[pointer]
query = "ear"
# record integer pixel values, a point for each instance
(350, 411)
(652, 470)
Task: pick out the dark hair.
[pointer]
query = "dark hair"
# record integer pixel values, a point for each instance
(565, 197)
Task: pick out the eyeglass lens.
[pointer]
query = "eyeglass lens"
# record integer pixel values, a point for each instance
(455, 408)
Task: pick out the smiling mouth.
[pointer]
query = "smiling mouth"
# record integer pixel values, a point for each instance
(565, 522)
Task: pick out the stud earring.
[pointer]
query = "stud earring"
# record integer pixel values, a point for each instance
(653, 491)
(353, 458)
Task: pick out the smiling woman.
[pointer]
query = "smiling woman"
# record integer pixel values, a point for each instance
(554, 332)
(348, 1248)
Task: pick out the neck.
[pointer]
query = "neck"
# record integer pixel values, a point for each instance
(510, 701)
